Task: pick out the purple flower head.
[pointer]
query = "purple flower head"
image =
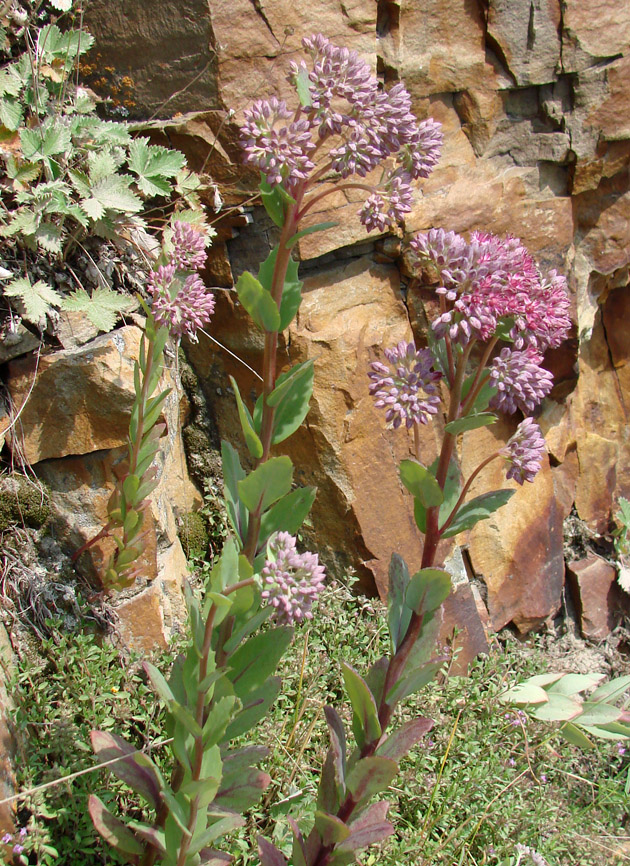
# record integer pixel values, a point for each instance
(6, 838)
(524, 451)
(17, 849)
(189, 247)
(342, 100)
(180, 301)
(520, 381)
(388, 206)
(281, 152)
(420, 156)
(490, 281)
(405, 387)
(291, 580)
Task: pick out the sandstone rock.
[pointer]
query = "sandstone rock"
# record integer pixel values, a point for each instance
(593, 31)
(153, 58)
(464, 618)
(600, 600)
(254, 41)
(528, 38)
(518, 550)
(149, 619)
(17, 342)
(442, 47)
(80, 400)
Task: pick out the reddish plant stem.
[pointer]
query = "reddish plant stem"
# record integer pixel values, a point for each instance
(465, 490)
(270, 356)
(479, 380)
(398, 661)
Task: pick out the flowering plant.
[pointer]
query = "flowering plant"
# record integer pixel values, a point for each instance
(493, 304)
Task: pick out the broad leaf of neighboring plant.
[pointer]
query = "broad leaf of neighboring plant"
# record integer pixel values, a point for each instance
(36, 298)
(102, 308)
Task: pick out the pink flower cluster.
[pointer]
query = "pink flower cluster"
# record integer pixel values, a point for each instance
(292, 581)
(405, 387)
(367, 125)
(489, 282)
(180, 300)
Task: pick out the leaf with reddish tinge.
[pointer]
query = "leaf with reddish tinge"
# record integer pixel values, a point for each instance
(370, 775)
(134, 769)
(112, 829)
(269, 854)
(398, 744)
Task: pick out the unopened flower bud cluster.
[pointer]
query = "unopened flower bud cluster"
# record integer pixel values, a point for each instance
(291, 580)
(180, 300)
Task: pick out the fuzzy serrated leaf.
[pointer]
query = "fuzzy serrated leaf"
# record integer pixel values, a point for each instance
(37, 298)
(102, 309)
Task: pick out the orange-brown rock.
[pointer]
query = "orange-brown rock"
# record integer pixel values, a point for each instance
(600, 600)
(76, 401)
(518, 550)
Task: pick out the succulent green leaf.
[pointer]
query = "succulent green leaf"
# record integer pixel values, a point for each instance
(112, 829)
(427, 589)
(370, 776)
(471, 422)
(252, 440)
(255, 706)
(400, 742)
(290, 398)
(526, 693)
(258, 302)
(479, 508)
(255, 660)
(269, 854)
(134, 768)
(398, 614)
(331, 829)
(573, 684)
(291, 295)
(232, 474)
(558, 708)
(365, 723)
(243, 791)
(268, 483)
(272, 201)
(576, 736)
(594, 714)
(612, 690)
(413, 682)
(288, 514)
(218, 719)
(421, 483)
(159, 683)
(319, 227)
(215, 831)
(302, 85)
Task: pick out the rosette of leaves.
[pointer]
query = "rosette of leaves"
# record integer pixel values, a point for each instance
(582, 705)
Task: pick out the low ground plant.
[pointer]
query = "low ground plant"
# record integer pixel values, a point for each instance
(482, 783)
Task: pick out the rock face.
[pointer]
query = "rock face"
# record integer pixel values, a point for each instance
(74, 410)
(535, 103)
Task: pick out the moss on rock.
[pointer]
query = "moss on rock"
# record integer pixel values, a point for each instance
(193, 534)
(23, 502)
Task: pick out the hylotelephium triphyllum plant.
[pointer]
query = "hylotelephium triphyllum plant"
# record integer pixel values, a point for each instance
(343, 128)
